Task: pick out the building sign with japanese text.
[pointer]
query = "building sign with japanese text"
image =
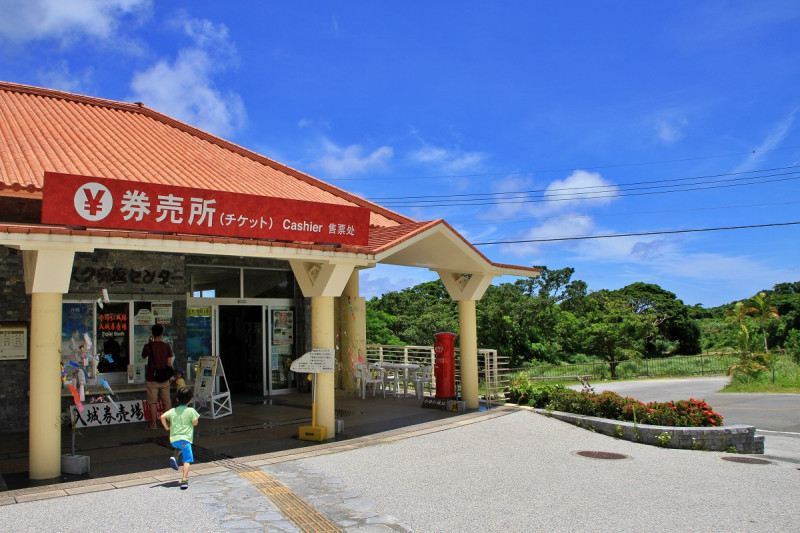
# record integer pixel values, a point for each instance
(108, 413)
(109, 203)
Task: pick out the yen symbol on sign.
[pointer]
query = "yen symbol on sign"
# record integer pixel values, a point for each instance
(93, 201)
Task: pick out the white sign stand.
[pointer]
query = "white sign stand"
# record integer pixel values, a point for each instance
(208, 401)
(315, 362)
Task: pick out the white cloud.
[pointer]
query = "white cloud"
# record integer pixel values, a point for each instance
(671, 130)
(185, 89)
(577, 192)
(384, 278)
(62, 78)
(29, 20)
(564, 227)
(338, 162)
(449, 161)
(773, 140)
(508, 209)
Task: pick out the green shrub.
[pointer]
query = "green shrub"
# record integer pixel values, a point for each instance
(683, 413)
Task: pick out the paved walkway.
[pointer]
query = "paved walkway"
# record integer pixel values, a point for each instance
(506, 469)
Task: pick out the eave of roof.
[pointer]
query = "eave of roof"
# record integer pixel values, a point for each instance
(432, 238)
(48, 130)
(22, 235)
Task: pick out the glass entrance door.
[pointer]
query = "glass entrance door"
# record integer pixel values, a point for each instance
(256, 343)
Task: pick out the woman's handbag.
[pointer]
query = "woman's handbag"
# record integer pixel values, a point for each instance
(164, 374)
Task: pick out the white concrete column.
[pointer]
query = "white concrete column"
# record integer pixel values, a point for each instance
(47, 273)
(323, 337)
(468, 342)
(44, 458)
(353, 330)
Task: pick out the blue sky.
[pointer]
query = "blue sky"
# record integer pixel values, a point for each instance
(514, 121)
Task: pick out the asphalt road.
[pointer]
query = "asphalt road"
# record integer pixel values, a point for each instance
(767, 412)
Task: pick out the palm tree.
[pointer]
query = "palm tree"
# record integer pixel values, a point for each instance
(762, 311)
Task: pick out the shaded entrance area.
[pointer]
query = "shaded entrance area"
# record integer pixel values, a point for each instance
(241, 341)
(255, 427)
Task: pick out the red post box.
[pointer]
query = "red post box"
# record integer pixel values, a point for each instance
(445, 368)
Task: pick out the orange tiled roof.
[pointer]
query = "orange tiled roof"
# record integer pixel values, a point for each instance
(47, 130)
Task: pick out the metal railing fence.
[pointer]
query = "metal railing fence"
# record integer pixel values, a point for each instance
(492, 368)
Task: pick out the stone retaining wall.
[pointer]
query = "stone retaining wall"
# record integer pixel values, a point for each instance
(741, 438)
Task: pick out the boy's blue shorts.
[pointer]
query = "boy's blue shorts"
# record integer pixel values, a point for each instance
(186, 450)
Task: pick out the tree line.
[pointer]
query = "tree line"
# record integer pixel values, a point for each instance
(553, 319)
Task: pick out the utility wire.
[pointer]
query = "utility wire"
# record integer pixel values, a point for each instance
(600, 215)
(428, 197)
(582, 196)
(543, 171)
(666, 232)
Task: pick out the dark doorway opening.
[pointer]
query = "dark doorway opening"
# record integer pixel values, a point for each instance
(241, 347)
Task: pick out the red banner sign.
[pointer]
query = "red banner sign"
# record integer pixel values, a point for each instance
(108, 203)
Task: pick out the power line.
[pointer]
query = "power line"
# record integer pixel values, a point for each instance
(428, 197)
(666, 232)
(583, 167)
(579, 197)
(629, 213)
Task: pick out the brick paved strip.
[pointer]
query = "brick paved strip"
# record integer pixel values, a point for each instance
(302, 515)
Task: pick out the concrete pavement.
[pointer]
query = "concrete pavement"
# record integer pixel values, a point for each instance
(503, 470)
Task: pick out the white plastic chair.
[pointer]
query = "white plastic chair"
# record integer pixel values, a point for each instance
(423, 376)
(371, 375)
(391, 379)
(405, 376)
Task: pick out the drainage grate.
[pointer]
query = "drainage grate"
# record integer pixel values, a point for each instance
(746, 460)
(592, 454)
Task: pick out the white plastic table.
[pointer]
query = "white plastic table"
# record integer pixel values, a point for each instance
(399, 368)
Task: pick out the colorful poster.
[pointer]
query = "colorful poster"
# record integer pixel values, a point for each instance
(206, 372)
(112, 337)
(77, 323)
(282, 327)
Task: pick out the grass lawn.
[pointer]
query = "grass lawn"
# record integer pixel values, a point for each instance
(787, 380)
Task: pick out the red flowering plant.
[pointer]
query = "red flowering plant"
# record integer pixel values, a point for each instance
(689, 413)
(682, 413)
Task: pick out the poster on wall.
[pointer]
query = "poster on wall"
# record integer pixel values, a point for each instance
(198, 332)
(145, 315)
(13, 342)
(282, 327)
(162, 312)
(77, 324)
(112, 337)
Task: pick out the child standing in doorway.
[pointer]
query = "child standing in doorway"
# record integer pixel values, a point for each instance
(180, 422)
(179, 381)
